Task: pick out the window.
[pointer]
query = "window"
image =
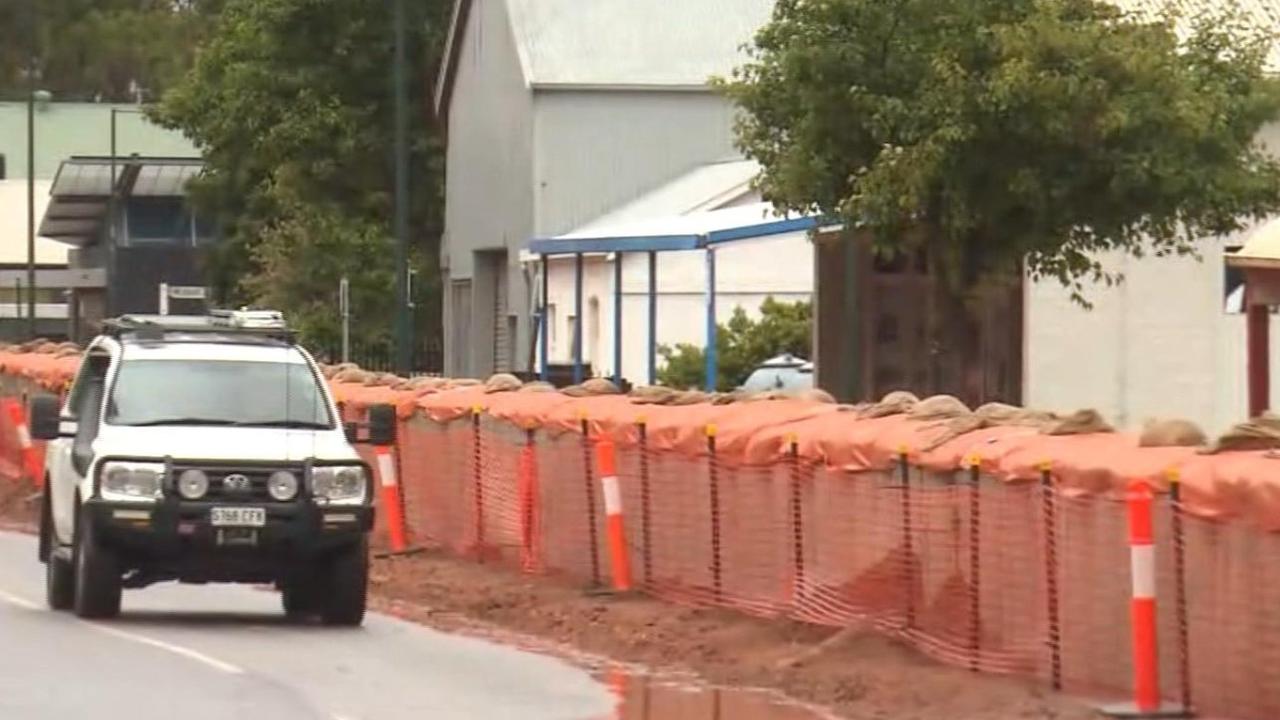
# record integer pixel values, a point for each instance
(217, 392)
(1232, 284)
(18, 296)
(157, 220)
(573, 336)
(92, 370)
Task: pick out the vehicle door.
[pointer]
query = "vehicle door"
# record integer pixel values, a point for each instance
(69, 457)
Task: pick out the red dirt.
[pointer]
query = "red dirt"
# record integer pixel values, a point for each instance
(18, 508)
(859, 675)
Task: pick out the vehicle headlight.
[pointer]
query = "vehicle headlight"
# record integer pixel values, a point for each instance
(341, 484)
(283, 485)
(193, 484)
(131, 481)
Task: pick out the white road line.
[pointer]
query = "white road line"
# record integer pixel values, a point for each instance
(20, 602)
(188, 653)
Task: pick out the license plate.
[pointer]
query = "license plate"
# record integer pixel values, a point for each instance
(237, 517)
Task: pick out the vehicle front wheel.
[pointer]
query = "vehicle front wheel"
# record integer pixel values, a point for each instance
(299, 595)
(59, 575)
(97, 574)
(345, 585)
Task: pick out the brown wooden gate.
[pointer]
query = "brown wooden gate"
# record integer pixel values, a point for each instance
(902, 340)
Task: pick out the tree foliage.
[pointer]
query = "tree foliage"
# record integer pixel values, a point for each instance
(108, 50)
(741, 345)
(291, 103)
(997, 131)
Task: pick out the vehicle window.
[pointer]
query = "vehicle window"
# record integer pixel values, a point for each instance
(217, 392)
(93, 368)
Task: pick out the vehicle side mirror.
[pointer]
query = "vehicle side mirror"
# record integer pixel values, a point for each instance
(382, 425)
(352, 431)
(46, 417)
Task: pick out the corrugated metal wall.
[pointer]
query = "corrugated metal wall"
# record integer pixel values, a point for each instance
(598, 149)
(489, 194)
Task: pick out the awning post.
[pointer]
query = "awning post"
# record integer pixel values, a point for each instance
(544, 321)
(617, 318)
(653, 317)
(577, 318)
(1258, 342)
(711, 355)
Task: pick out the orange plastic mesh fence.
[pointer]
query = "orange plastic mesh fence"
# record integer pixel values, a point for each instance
(1233, 592)
(1029, 578)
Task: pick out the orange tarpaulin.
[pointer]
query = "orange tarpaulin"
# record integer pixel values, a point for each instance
(1234, 484)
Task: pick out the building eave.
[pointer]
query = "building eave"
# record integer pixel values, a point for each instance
(620, 87)
(448, 71)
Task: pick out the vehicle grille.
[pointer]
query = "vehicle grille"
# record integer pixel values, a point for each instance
(222, 491)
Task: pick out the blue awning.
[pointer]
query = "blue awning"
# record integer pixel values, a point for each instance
(691, 231)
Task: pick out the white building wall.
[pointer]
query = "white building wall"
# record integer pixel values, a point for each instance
(1159, 345)
(746, 274)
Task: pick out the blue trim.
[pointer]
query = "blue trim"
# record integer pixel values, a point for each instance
(653, 318)
(577, 319)
(642, 243)
(747, 232)
(710, 353)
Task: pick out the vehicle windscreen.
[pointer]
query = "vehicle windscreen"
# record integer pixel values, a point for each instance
(766, 379)
(217, 392)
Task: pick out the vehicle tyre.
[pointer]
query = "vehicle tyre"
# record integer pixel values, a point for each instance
(299, 595)
(97, 574)
(45, 546)
(59, 575)
(345, 586)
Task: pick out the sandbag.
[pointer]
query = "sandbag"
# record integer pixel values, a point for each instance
(502, 382)
(594, 387)
(938, 407)
(1080, 422)
(816, 395)
(1172, 433)
(1260, 433)
(897, 402)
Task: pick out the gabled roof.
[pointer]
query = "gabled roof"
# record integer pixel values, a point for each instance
(689, 231)
(617, 44)
(707, 187)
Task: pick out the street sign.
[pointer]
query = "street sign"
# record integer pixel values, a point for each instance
(179, 292)
(188, 292)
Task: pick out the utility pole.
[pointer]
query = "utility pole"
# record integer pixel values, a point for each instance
(403, 325)
(31, 175)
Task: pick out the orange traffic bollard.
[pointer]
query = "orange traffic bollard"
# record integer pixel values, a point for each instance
(30, 458)
(617, 537)
(390, 486)
(1146, 664)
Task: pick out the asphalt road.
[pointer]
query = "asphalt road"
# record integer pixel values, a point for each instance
(225, 653)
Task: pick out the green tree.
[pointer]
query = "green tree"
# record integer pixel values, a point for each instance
(108, 50)
(291, 103)
(741, 345)
(998, 135)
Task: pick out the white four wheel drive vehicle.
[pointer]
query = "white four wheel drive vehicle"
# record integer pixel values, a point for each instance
(204, 449)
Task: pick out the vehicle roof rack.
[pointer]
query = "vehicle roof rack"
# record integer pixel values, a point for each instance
(230, 324)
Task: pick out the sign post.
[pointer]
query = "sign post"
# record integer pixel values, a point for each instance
(344, 307)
